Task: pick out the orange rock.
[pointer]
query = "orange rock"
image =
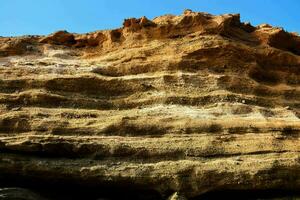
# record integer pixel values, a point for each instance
(59, 38)
(90, 40)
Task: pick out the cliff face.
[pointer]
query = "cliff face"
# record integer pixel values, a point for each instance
(191, 104)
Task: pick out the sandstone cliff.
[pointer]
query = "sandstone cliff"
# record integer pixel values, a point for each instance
(190, 104)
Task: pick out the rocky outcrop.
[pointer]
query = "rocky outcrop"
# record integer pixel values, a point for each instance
(278, 38)
(18, 46)
(171, 108)
(60, 38)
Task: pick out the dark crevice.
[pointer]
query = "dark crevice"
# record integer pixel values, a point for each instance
(250, 195)
(225, 155)
(71, 189)
(101, 152)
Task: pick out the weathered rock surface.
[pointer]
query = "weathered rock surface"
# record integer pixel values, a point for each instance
(191, 104)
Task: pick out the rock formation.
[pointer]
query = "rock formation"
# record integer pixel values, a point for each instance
(171, 108)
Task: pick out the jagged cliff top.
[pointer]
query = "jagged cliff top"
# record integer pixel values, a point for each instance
(187, 104)
(135, 31)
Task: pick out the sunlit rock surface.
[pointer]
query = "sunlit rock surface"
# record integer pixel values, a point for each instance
(177, 107)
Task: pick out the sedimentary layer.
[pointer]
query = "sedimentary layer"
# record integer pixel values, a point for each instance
(191, 104)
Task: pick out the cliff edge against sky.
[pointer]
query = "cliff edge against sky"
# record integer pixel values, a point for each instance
(179, 105)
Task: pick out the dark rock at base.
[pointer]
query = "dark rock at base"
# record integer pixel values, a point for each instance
(18, 194)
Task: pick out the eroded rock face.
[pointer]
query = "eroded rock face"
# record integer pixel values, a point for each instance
(59, 38)
(184, 105)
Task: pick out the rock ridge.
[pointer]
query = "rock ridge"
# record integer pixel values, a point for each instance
(177, 107)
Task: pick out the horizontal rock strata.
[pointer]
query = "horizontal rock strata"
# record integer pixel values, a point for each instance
(190, 104)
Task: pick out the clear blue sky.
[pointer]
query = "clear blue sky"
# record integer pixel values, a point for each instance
(19, 17)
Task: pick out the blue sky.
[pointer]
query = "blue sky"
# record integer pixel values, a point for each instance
(20, 17)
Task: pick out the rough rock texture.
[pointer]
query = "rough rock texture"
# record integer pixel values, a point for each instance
(188, 105)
